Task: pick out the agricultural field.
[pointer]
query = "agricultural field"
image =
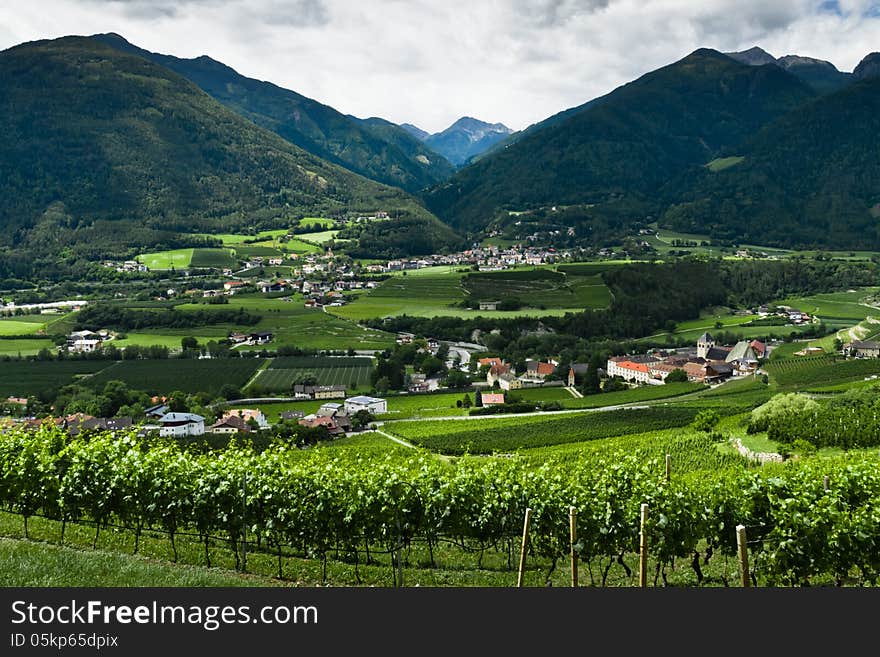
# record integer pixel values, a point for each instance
(26, 377)
(25, 324)
(807, 372)
(490, 434)
(24, 346)
(217, 258)
(540, 288)
(286, 317)
(690, 450)
(187, 375)
(283, 373)
(437, 292)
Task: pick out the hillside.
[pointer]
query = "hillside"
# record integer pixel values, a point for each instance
(810, 178)
(466, 139)
(628, 143)
(376, 149)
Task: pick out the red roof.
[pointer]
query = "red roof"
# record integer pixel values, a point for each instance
(490, 361)
(758, 346)
(499, 369)
(490, 398)
(543, 369)
(636, 367)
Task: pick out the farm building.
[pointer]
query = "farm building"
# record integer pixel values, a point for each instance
(181, 424)
(862, 349)
(508, 381)
(489, 305)
(374, 405)
(319, 392)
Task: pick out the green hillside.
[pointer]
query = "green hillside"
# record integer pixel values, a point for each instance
(810, 178)
(376, 149)
(104, 153)
(628, 144)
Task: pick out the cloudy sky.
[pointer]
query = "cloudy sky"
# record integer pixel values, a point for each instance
(429, 62)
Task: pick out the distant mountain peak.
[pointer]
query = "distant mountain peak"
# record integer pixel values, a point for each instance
(467, 138)
(416, 131)
(754, 56)
(791, 61)
(869, 67)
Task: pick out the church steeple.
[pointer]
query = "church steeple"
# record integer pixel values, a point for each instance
(704, 343)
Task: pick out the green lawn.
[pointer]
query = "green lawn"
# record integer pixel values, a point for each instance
(177, 259)
(25, 347)
(24, 325)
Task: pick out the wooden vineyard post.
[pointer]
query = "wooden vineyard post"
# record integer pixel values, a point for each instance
(643, 548)
(572, 521)
(743, 555)
(826, 482)
(244, 523)
(522, 554)
(668, 466)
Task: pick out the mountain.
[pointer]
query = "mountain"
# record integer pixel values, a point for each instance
(466, 138)
(754, 56)
(869, 67)
(810, 178)
(628, 144)
(415, 131)
(387, 154)
(105, 153)
(821, 75)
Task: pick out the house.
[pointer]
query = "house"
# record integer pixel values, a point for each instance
(318, 392)
(247, 414)
(495, 372)
(706, 348)
(181, 424)
(489, 305)
(232, 286)
(291, 415)
(374, 405)
(261, 337)
(759, 347)
(275, 261)
(540, 369)
(83, 341)
(21, 401)
(491, 362)
(418, 383)
(230, 423)
(491, 398)
(695, 371)
(862, 349)
(337, 423)
(238, 338)
(716, 372)
(508, 381)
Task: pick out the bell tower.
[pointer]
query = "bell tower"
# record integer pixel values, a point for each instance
(704, 344)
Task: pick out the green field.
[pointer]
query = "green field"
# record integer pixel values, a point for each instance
(318, 237)
(507, 434)
(217, 258)
(437, 292)
(286, 317)
(24, 347)
(24, 378)
(24, 325)
(184, 374)
(722, 163)
(283, 373)
(820, 371)
(176, 259)
(541, 288)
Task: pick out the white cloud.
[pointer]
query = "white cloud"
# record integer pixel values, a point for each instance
(425, 62)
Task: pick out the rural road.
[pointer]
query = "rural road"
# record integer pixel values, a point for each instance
(567, 411)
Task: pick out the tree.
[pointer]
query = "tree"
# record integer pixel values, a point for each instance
(478, 399)
(706, 420)
(189, 342)
(677, 375)
(466, 401)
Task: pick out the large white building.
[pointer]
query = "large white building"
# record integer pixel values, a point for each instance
(181, 424)
(374, 405)
(629, 371)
